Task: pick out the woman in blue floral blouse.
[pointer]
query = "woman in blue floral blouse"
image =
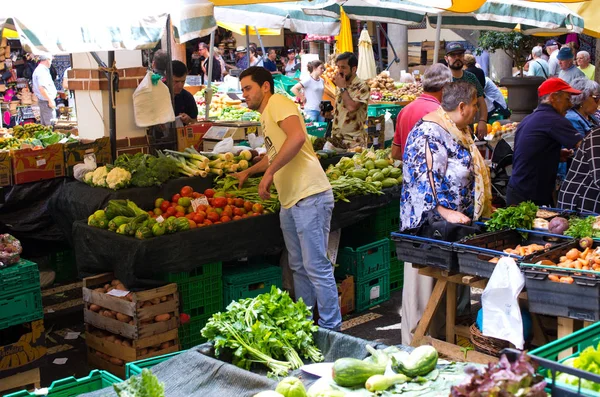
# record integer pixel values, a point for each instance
(443, 169)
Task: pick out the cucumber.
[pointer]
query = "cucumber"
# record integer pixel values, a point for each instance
(349, 372)
(389, 182)
(384, 382)
(420, 362)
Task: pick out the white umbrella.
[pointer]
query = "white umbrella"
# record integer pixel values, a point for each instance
(366, 60)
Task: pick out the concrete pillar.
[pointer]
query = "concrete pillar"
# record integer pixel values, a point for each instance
(500, 65)
(93, 105)
(398, 35)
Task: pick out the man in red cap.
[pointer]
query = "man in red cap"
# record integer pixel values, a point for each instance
(538, 141)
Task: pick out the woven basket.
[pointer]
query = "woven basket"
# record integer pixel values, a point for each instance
(487, 344)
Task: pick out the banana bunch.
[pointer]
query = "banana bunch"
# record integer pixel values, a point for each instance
(29, 130)
(9, 143)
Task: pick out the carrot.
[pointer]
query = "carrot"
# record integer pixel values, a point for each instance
(567, 280)
(554, 278)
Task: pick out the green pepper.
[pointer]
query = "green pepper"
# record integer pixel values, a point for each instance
(158, 229)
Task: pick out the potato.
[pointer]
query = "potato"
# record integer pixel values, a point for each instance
(165, 345)
(163, 298)
(101, 290)
(116, 361)
(131, 322)
(146, 304)
(118, 341)
(123, 317)
(162, 317)
(146, 321)
(129, 297)
(573, 254)
(106, 287)
(143, 352)
(152, 350)
(95, 308)
(110, 338)
(115, 282)
(170, 297)
(155, 301)
(109, 314)
(120, 287)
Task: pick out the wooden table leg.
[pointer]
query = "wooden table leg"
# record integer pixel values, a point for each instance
(539, 336)
(432, 304)
(565, 326)
(450, 312)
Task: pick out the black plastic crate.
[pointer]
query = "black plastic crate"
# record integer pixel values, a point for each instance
(425, 251)
(579, 300)
(474, 254)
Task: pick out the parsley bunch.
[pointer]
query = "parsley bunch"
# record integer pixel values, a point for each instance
(270, 329)
(582, 227)
(516, 217)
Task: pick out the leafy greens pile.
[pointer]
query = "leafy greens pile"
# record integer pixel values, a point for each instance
(270, 329)
(145, 385)
(147, 170)
(588, 360)
(582, 227)
(346, 186)
(516, 217)
(502, 379)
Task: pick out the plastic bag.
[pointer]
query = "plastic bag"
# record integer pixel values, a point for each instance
(226, 145)
(390, 128)
(88, 165)
(501, 312)
(152, 103)
(255, 141)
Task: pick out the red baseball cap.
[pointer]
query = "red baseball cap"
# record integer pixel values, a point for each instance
(555, 84)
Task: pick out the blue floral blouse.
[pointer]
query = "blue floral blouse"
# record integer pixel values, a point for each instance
(452, 175)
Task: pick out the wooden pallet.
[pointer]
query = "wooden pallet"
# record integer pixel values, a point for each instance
(28, 379)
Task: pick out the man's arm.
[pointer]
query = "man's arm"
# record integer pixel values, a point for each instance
(46, 96)
(349, 103)
(483, 114)
(298, 93)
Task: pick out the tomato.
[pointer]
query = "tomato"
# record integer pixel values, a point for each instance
(192, 224)
(196, 195)
(175, 198)
(225, 218)
(158, 211)
(198, 218)
(186, 191)
(219, 211)
(189, 216)
(164, 206)
(209, 193)
(151, 213)
(208, 222)
(237, 218)
(184, 318)
(211, 201)
(213, 216)
(201, 213)
(217, 222)
(257, 208)
(239, 211)
(201, 207)
(256, 214)
(200, 224)
(248, 206)
(238, 202)
(179, 208)
(171, 211)
(179, 215)
(158, 202)
(230, 201)
(219, 202)
(245, 216)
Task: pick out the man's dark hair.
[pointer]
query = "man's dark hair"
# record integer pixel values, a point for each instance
(272, 50)
(352, 60)
(179, 69)
(259, 75)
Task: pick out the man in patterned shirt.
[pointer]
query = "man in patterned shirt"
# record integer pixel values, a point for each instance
(352, 97)
(455, 57)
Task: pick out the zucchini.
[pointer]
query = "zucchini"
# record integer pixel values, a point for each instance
(143, 233)
(350, 372)
(389, 182)
(118, 221)
(384, 382)
(420, 362)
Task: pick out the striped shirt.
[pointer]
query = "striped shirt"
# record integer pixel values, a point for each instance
(581, 188)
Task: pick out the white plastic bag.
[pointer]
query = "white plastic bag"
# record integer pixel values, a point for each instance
(255, 141)
(501, 312)
(152, 103)
(390, 128)
(226, 145)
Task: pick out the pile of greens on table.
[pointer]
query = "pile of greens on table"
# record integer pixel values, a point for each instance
(270, 329)
(514, 217)
(147, 170)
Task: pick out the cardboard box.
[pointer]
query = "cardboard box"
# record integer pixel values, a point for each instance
(75, 152)
(133, 145)
(236, 130)
(24, 347)
(346, 295)
(5, 169)
(376, 131)
(209, 144)
(191, 135)
(35, 165)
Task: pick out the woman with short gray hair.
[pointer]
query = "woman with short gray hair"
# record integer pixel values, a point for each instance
(581, 115)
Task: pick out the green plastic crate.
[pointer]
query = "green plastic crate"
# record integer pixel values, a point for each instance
(64, 265)
(189, 333)
(21, 276)
(364, 261)
(376, 110)
(21, 308)
(373, 290)
(199, 273)
(201, 297)
(317, 129)
(577, 341)
(396, 274)
(136, 367)
(72, 387)
(375, 227)
(249, 281)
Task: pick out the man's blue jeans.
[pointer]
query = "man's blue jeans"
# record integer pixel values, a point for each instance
(305, 229)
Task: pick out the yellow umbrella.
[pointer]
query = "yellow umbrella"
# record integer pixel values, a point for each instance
(344, 39)
(590, 12)
(241, 29)
(10, 34)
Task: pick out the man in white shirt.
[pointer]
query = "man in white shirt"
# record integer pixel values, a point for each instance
(538, 66)
(44, 89)
(552, 47)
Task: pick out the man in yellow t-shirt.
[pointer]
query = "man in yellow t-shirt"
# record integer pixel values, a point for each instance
(304, 192)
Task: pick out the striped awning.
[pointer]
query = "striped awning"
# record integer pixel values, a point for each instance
(397, 11)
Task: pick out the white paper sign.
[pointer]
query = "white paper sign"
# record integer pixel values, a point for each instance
(72, 335)
(60, 361)
(374, 293)
(41, 162)
(160, 219)
(117, 292)
(41, 392)
(199, 201)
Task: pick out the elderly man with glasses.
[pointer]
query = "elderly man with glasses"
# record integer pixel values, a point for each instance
(583, 63)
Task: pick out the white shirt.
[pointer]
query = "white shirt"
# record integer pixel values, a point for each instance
(493, 93)
(313, 92)
(42, 78)
(553, 64)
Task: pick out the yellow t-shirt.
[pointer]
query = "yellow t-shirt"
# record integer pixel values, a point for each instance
(590, 71)
(303, 176)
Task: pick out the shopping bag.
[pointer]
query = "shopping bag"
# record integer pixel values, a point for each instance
(389, 127)
(500, 303)
(152, 103)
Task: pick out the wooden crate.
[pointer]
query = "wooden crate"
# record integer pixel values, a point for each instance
(139, 350)
(141, 325)
(28, 379)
